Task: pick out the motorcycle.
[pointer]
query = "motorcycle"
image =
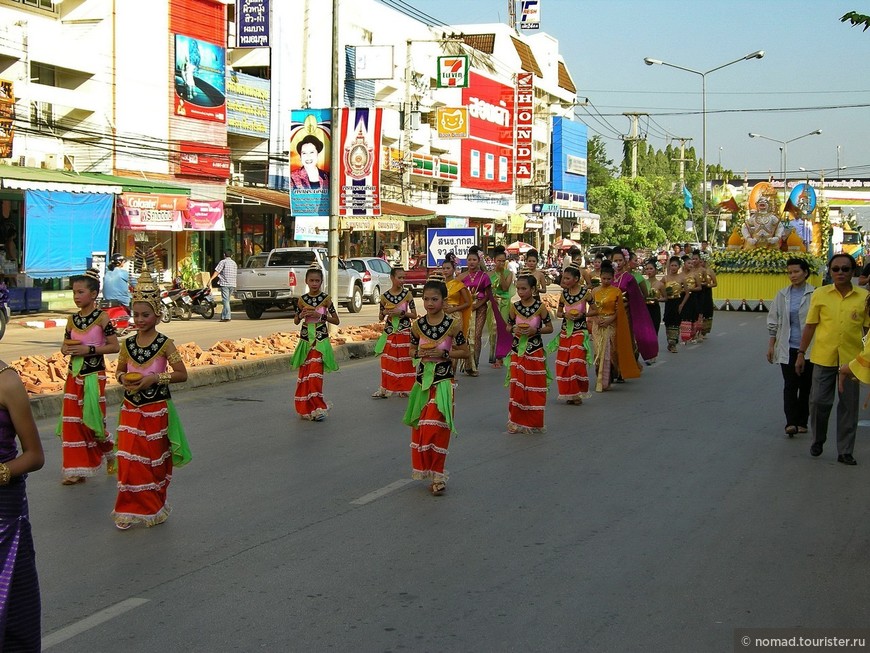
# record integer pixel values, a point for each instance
(202, 302)
(119, 316)
(176, 304)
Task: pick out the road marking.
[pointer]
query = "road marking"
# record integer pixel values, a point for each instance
(382, 492)
(722, 333)
(864, 422)
(96, 619)
(743, 324)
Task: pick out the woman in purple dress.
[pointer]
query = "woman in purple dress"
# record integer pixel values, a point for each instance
(19, 586)
(642, 328)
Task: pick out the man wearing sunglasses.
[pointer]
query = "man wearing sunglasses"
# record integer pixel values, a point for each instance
(836, 323)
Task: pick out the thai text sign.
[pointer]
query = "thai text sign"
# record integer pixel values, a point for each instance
(252, 23)
(248, 102)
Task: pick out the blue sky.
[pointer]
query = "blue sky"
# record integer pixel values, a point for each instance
(811, 60)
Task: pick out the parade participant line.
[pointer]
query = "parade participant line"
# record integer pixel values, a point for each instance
(96, 619)
(377, 494)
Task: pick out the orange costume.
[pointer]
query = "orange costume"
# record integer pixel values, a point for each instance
(612, 343)
(82, 427)
(313, 357)
(528, 378)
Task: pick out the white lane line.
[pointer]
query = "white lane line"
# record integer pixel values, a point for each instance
(382, 492)
(743, 324)
(722, 333)
(101, 617)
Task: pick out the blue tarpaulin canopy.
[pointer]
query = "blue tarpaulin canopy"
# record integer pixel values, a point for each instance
(62, 230)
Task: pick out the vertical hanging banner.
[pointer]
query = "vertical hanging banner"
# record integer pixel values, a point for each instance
(310, 162)
(200, 79)
(530, 18)
(452, 71)
(360, 168)
(525, 99)
(252, 23)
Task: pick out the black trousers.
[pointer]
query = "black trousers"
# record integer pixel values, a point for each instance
(796, 391)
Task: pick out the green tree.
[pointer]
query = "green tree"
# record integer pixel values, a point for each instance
(856, 19)
(599, 168)
(626, 213)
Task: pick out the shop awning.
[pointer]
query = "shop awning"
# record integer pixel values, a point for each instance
(254, 195)
(23, 178)
(137, 185)
(408, 213)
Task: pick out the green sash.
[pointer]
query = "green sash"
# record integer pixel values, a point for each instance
(382, 341)
(323, 346)
(92, 415)
(177, 439)
(419, 397)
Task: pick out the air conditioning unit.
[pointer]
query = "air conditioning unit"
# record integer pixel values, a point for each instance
(52, 162)
(32, 161)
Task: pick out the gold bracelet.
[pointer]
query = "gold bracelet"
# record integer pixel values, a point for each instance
(164, 378)
(5, 474)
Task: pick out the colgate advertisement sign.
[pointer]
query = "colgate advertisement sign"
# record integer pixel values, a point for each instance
(151, 212)
(201, 160)
(488, 152)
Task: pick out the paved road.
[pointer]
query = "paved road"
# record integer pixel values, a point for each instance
(656, 517)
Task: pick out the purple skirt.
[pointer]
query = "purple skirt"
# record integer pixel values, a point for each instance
(20, 609)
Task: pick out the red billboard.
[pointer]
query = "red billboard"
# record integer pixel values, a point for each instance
(201, 160)
(488, 152)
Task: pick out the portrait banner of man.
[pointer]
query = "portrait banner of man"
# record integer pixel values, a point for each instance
(310, 161)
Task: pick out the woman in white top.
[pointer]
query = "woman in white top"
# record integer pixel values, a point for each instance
(785, 322)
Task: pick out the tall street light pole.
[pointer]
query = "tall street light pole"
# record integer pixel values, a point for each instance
(758, 54)
(784, 149)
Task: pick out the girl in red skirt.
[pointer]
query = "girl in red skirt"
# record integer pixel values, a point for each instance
(573, 344)
(394, 346)
(436, 340)
(313, 356)
(151, 440)
(89, 335)
(528, 382)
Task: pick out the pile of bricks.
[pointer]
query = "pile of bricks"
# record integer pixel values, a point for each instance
(551, 301)
(45, 375)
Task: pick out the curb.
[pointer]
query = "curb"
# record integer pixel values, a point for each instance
(49, 405)
(42, 324)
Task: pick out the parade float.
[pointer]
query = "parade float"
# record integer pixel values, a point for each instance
(752, 267)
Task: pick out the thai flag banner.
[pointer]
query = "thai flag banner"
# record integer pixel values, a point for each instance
(360, 179)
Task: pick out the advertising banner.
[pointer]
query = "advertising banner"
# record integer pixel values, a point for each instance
(452, 71)
(516, 224)
(452, 122)
(200, 79)
(525, 118)
(488, 152)
(248, 105)
(141, 212)
(7, 118)
(360, 169)
(204, 216)
(314, 228)
(310, 162)
(530, 17)
(252, 23)
(201, 160)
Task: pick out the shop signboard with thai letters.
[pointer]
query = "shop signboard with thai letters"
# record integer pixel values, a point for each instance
(360, 166)
(252, 23)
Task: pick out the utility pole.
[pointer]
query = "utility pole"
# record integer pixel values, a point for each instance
(334, 168)
(512, 14)
(633, 138)
(682, 158)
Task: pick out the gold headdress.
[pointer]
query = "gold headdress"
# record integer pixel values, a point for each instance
(92, 273)
(147, 292)
(574, 267)
(437, 275)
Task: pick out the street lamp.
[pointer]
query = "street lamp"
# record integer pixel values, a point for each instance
(758, 54)
(784, 149)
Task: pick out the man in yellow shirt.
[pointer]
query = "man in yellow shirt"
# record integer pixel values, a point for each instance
(835, 325)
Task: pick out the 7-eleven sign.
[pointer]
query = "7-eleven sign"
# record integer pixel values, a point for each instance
(453, 71)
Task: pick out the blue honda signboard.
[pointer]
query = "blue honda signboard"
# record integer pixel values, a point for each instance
(439, 242)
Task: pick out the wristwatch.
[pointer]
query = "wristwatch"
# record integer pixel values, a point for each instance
(92, 350)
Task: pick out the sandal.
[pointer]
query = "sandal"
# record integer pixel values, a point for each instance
(122, 526)
(802, 429)
(672, 349)
(73, 480)
(438, 488)
(790, 431)
(379, 395)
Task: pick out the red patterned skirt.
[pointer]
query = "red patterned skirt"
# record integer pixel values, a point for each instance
(309, 400)
(397, 369)
(429, 442)
(528, 392)
(572, 375)
(144, 464)
(82, 452)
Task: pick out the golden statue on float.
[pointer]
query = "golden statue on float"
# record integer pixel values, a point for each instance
(762, 227)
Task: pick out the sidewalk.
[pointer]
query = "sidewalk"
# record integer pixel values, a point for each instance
(47, 406)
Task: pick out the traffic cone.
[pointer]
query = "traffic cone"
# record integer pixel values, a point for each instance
(727, 306)
(743, 306)
(761, 308)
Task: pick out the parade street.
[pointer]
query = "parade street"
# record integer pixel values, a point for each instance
(659, 516)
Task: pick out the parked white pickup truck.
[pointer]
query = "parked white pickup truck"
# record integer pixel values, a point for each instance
(276, 279)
